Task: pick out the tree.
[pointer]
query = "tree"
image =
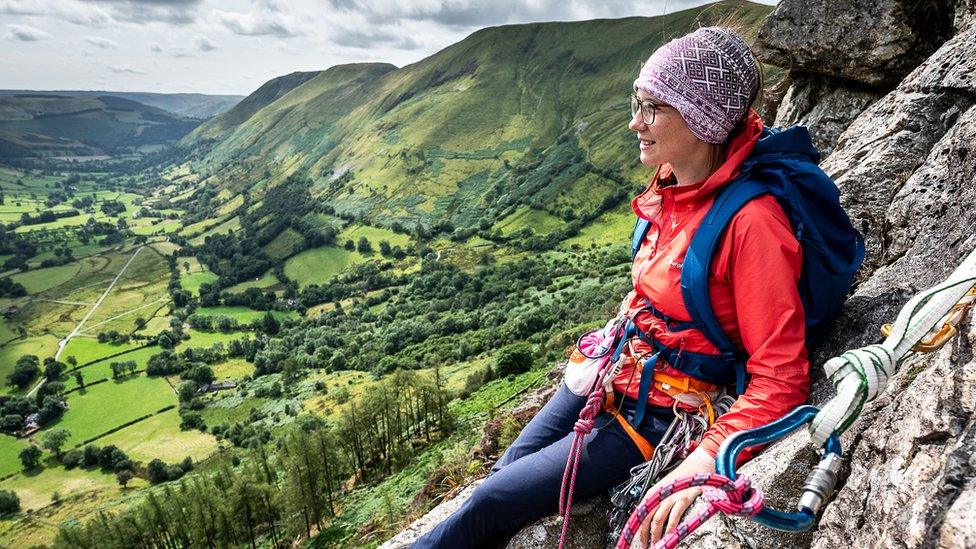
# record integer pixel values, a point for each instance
(513, 359)
(187, 390)
(25, 370)
(363, 246)
(270, 324)
(9, 502)
(53, 368)
(79, 378)
(165, 340)
(54, 439)
(124, 476)
(30, 457)
(156, 471)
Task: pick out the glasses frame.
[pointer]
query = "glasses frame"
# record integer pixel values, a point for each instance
(636, 104)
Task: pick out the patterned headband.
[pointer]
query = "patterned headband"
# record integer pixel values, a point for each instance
(709, 76)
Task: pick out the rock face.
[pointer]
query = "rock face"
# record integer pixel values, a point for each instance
(824, 105)
(893, 84)
(875, 42)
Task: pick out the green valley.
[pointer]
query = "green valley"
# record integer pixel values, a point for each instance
(290, 323)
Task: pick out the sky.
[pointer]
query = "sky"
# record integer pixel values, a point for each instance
(234, 46)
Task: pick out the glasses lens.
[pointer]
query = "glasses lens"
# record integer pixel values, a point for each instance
(634, 105)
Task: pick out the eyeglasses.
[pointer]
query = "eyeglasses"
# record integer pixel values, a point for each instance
(648, 109)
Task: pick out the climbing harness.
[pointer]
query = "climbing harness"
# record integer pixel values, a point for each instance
(681, 437)
(858, 376)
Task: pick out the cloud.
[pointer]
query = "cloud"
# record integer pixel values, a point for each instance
(124, 69)
(175, 12)
(103, 43)
(155, 47)
(23, 33)
(373, 38)
(67, 10)
(259, 23)
(205, 44)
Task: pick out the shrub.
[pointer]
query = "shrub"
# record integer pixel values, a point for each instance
(513, 359)
(9, 502)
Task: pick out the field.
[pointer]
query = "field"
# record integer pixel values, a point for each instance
(537, 220)
(242, 315)
(86, 349)
(160, 437)
(266, 281)
(193, 274)
(95, 410)
(320, 264)
(10, 448)
(103, 368)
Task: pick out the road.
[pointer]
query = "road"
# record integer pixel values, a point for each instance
(77, 330)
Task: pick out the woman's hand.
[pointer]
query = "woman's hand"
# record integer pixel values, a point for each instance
(668, 514)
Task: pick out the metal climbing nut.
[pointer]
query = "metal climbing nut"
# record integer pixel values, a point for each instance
(820, 483)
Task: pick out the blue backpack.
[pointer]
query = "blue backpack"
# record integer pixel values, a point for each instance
(783, 164)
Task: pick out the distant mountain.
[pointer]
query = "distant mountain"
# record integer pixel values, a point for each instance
(240, 112)
(191, 105)
(39, 124)
(532, 114)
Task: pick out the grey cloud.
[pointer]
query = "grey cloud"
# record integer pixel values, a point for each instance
(176, 12)
(23, 33)
(259, 23)
(70, 11)
(100, 42)
(171, 52)
(121, 69)
(478, 13)
(205, 44)
(366, 40)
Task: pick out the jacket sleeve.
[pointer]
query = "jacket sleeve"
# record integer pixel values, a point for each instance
(762, 263)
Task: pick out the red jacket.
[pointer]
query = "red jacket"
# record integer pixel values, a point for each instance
(752, 284)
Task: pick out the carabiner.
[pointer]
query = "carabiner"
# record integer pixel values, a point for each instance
(819, 484)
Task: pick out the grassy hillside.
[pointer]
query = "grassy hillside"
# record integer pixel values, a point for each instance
(510, 115)
(356, 247)
(51, 125)
(192, 105)
(263, 96)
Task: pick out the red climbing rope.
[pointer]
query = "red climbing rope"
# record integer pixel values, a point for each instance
(732, 497)
(587, 418)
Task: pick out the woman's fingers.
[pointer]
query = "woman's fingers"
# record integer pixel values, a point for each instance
(681, 504)
(660, 517)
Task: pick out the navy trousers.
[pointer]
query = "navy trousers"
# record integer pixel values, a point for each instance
(523, 485)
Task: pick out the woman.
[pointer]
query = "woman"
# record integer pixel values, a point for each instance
(692, 120)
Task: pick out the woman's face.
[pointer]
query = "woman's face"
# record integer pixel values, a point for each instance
(667, 139)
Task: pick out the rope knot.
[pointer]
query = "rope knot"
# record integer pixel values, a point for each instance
(584, 425)
(736, 498)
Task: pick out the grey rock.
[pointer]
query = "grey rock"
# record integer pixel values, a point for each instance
(826, 106)
(965, 13)
(874, 43)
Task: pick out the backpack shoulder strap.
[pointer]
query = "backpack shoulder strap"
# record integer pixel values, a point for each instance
(698, 260)
(640, 231)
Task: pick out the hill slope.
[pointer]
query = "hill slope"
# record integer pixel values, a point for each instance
(510, 115)
(192, 105)
(47, 125)
(263, 96)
